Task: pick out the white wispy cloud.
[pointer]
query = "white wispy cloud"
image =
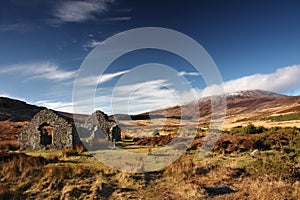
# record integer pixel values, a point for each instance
(130, 98)
(40, 70)
(80, 11)
(138, 97)
(154, 88)
(113, 19)
(56, 105)
(94, 80)
(91, 44)
(184, 73)
(284, 80)
(19, 27)
(150, 95)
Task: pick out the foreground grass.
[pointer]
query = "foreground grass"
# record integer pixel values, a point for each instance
(9, 145)
(229, 172)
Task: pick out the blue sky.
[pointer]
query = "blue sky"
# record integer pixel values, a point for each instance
(255, 45)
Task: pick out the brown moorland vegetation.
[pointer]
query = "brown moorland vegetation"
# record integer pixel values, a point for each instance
(230, 171)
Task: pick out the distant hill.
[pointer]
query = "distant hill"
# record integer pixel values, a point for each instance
(16, 110)
(253, 94)
(14, 114)
(232, 99)
(242, 107)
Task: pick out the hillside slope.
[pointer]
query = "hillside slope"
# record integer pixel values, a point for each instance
(242, 107)
(16, 110)
(14, 114)
(255, 106)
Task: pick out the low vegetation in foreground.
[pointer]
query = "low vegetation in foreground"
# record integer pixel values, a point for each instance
(246, 163)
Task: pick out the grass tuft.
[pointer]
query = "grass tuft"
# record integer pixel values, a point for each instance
(10, 145)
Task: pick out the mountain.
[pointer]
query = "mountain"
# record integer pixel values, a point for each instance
(253, 94)
(252, 106)
(14, 114)
(260, 107)
(16, 110)
(243, 107)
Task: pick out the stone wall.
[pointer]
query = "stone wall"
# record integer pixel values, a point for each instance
(109, 128)
(64, 134)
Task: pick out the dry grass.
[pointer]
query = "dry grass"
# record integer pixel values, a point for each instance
(182, 169)
(263, 188)
(296, 189)
(67, 152)
(79, 148)
(14, 164)
(11, 145)
(156, 140)
(216, 177)
(9, 130)
(272, 174)
(53, 156)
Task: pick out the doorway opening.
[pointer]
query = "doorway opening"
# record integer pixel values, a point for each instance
(46, 132)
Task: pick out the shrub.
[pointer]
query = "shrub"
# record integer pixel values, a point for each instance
(249, 129)
(234, 130)
(261, 129)
(10, 145)
(79, 148)
(52, 157)
(276, 166)
(287, 117)
(67, 152)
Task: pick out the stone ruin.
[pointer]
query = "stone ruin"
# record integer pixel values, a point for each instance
(49, 129)
(103, 126)
(55, 130)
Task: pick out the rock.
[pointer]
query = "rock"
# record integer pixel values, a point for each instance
(254, 153)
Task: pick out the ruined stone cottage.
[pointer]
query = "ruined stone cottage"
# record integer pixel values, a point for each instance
(49, 129)
(102, 126)
(55, 130)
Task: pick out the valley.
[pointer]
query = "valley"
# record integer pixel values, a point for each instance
(256, 155)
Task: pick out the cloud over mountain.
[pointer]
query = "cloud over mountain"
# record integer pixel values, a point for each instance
(284, 80)
(145, 96)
